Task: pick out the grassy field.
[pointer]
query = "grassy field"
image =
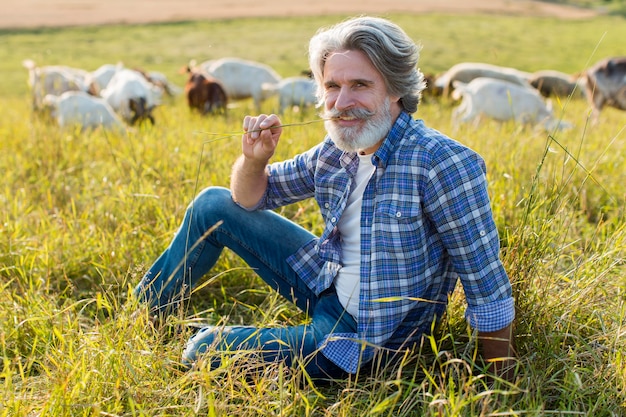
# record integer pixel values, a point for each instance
(84, 214)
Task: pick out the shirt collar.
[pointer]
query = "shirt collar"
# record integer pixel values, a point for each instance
(392, 141)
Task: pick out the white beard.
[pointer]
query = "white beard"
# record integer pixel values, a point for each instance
(353, 139)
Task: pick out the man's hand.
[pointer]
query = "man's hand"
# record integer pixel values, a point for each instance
(498, 349)
(261, 137)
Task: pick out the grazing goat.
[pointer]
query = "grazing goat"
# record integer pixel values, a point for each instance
(606, 85)
(204, 93)
(467, 71)
(502, 101)
(159, 79)
(132, 96)
(53, 79)
(292, 91)
(98, 79)
(555, 83)
(241, 78)
(78, 108)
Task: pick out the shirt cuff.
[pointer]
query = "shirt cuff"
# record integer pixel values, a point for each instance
(346, 351)
(493, 316)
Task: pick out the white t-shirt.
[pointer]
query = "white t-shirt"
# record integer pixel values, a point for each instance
(348, 279)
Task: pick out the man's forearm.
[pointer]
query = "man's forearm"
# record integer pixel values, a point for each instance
(248, 182)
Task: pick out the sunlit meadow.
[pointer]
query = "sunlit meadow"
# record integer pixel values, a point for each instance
(85, 213)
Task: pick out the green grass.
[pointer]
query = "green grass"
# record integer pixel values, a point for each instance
(613, 7)
(83, 216)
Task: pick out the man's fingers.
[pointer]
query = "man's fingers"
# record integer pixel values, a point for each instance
(253, 126)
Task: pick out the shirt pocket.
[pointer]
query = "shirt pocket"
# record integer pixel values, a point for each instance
(398, 226)
(399, 211)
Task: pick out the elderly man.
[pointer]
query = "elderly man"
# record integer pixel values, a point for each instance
(406, 214)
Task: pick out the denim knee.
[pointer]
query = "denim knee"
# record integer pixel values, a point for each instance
(211, 205)
(213, 197)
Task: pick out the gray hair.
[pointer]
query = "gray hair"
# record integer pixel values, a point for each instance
(392, 52)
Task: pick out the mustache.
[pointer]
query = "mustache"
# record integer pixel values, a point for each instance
(357, 113)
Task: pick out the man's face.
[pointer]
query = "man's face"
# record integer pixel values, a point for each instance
(359, 109)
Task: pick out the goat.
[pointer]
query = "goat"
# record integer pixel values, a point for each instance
(606, 85)
(80, 108)
(159, 79)
(53, 79)
(555, 83)
(291, 91)
(203, 93)
(502, 100)
(98, 79)
(132, 96)
(431, 90)
(467, 71)
(241, 78)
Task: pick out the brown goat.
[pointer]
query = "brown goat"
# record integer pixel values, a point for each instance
(204, 93)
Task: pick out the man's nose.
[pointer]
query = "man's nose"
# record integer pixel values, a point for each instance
(345, 99)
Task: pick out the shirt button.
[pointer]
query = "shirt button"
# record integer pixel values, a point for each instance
(333, 220)
(398, 214)
(326, 205)
(483, 233)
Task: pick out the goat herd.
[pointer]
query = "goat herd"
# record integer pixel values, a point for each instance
(113, 96)
(504, 93)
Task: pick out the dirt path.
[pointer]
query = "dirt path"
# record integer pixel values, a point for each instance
(38, 13)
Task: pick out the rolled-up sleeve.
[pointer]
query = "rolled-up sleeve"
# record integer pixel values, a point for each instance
(491, 317)
(458, 203)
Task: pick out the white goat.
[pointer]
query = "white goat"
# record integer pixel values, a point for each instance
(241, 78)
(78, 108)
(100, 78)
(292, 91)
(502, 101)
(53, 79)
(159, 79)
(467, 71)
(132, 96)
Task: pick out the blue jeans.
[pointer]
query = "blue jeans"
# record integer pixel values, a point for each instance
(264, 240)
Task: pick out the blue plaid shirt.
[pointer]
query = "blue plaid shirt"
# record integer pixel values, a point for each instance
(426, 221)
